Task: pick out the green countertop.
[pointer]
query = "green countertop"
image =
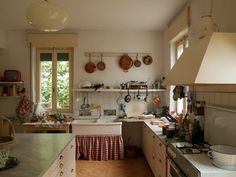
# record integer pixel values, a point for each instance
(36, 152)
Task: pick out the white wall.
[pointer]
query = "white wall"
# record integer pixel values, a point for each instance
(16, 56)
(107, 41)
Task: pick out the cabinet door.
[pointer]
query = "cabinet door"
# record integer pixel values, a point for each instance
(159, 150)
(64, 165)
(144, 140)
(70, 159)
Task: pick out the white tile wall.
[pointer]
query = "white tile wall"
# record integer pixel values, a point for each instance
(107, 100)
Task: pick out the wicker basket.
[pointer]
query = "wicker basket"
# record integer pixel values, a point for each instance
(7, 132)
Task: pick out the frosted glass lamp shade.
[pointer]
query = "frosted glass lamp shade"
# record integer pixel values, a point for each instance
(46, 16)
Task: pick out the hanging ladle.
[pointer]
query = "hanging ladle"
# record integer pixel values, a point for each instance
(101, 65)
(146, 97)
(138, 95)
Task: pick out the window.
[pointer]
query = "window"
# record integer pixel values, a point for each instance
(54, 79)
(180, 46)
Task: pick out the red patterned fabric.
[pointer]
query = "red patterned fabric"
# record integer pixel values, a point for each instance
(96, 147)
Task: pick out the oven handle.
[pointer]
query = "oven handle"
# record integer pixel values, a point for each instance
(179, 172)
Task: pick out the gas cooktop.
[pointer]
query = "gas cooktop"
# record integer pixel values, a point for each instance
(188, 148)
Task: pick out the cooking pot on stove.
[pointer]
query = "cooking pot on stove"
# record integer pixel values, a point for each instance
(223, 156)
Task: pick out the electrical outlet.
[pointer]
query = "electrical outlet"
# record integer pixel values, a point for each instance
(109, 112)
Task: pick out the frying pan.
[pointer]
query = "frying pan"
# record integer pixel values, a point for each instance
(137, 62)
(125, 62)
(101, 65)
(147, 60)
(90, 67)
(128, 97)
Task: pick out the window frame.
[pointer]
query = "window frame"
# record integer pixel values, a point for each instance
(183, 40)
(54, 52)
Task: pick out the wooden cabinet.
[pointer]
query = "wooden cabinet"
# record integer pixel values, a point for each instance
(155, 152)
(159, 157)
(64, 165)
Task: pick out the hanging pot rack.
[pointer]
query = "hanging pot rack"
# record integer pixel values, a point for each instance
(115, 54)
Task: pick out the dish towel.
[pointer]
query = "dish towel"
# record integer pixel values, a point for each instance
(23, 108)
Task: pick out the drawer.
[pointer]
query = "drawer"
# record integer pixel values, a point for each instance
(160, 167)
(160, 148)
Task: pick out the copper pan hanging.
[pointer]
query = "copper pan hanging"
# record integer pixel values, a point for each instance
(90, 67)
(125, 62)
(147, 60)
(137, 62)
(101, 65)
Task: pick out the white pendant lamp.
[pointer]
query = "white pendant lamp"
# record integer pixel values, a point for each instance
(46, 16)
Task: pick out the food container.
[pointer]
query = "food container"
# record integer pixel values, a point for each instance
(223, 156)
(170, 132)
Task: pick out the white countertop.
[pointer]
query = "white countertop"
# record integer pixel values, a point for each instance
(204, 164)
(200, 161)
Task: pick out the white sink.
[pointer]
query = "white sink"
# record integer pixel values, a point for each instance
(96, 127)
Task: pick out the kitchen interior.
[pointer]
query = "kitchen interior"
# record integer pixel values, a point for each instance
(150, 82)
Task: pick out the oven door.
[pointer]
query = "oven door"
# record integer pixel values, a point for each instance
(173, 170)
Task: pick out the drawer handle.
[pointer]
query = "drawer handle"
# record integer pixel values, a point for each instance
(153, 136)
(61, 157)
(61, 173)
(72, 170)
(159, 144)
(160, 160)
(71, 146)
(61, 165)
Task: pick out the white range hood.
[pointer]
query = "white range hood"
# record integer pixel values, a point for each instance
(211, 60)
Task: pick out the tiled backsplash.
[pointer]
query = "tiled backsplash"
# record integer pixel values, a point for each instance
(226, 99)
(108, 103)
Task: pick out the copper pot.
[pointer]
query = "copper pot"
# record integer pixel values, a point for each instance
(126, 62)
(90, 67)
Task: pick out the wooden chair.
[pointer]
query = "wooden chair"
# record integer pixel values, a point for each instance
(6, 127)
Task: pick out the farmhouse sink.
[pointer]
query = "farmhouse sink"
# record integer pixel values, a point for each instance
(96, 127)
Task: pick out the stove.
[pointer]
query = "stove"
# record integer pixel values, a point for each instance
(191, 160)
(187, 148)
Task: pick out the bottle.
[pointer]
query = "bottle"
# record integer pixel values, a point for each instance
(196, 132)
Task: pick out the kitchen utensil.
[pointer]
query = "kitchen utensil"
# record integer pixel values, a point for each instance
(87, 105)
(101, 65)
(128, 97)
(125, 62)
(83, 106)
(137, 62)
(223, 156)
(146, 97)
(138, 95)
(90, 67)
(147, 60)
(120, 100)
(156, 100)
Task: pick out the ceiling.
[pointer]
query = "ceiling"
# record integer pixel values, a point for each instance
(140, 15)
